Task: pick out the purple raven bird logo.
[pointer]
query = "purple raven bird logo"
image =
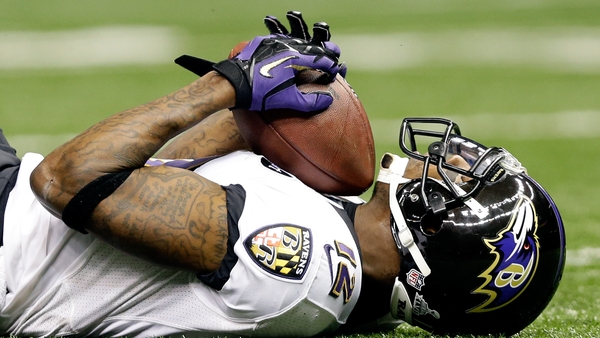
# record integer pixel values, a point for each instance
(516, 251)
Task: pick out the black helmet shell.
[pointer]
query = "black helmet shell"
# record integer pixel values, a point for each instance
(491, 275)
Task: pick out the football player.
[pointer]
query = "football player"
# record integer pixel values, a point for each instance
(99, 240)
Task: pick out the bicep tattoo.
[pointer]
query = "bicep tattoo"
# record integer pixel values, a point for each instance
(169, 216)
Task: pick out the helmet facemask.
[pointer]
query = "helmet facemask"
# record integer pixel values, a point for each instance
(484, 165)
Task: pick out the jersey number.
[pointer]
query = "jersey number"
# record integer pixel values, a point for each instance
(345, 277)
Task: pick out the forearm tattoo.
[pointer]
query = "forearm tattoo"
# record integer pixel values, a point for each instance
(218, 134)
(125, 140)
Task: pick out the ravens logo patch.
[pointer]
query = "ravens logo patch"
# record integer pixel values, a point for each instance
(283, 250)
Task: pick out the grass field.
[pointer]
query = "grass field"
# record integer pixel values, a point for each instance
(524, 75)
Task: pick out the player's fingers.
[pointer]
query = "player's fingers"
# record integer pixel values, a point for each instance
(333, 47)
(247, 52)
(275, 26)
(297, 25)
(321, 32)
(324, 64)
(305, 102)
(318, 100)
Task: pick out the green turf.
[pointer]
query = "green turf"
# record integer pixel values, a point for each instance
(59, 102)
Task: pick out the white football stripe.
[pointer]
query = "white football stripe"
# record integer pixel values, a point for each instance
(91, 47)
(555, 49)
(583, 257)
(523, 126)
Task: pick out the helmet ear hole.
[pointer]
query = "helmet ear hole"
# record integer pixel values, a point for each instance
(431, 224)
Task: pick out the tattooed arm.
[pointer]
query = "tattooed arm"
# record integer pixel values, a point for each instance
(167, 215)
(218, 134)
(164, 214)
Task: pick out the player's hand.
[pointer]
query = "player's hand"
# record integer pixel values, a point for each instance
(264, 72)
(299, 30)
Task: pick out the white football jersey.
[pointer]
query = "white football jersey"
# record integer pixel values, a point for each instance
(293, 268)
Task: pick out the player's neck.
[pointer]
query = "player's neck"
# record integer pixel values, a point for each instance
(380, 255)
(380, 260)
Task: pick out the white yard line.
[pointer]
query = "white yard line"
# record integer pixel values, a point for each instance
(558, 49)
(555, 48)
(583, 257)
(90, 47)
(523, 126)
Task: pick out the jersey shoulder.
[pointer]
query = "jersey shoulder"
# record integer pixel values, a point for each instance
(294, 248)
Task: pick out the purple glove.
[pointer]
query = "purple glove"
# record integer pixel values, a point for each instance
(264, 72)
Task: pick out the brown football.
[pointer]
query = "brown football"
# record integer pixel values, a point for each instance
(332, 151)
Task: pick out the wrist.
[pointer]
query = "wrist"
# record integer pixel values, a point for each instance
(232, 70)
(223, 92)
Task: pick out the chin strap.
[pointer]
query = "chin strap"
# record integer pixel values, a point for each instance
(393, 175)
(394, 171)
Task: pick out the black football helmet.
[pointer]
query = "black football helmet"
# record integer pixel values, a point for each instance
(483, 248)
